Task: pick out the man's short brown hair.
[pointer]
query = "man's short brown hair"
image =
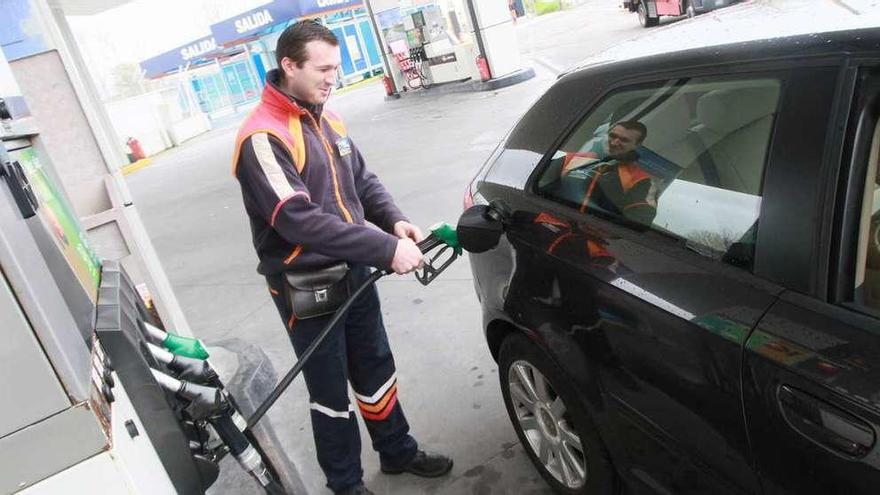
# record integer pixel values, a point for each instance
(292, 42)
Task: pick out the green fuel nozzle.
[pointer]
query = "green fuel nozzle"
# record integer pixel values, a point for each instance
(185, 346)
(446, 233)
(176, 344)
(444, 237)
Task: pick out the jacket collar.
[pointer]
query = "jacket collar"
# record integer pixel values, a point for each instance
(275, 97)
(628, 157)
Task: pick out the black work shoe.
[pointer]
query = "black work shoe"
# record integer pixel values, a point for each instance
(358, 489)
(425, 465)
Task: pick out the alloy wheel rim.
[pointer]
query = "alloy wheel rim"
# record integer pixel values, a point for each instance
(544, 420)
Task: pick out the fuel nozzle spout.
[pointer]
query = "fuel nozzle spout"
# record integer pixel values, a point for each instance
(203, 402)
(182, 346)
(185, 368)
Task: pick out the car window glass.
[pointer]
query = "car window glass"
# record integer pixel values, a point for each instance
(868, 259)
(513, 167)
(685, 157)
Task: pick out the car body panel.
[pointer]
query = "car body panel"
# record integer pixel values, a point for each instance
(653, 334)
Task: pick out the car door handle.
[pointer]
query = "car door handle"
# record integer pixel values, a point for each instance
(825, 424)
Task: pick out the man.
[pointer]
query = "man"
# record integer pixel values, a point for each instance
(616, 182)
(308, 194)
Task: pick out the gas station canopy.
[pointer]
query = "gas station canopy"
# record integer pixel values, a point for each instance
(86, 7)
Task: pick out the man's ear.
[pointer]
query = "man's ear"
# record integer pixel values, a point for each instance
(287, 65)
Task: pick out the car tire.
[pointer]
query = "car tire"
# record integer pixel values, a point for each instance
(555, 430)
(644, 19)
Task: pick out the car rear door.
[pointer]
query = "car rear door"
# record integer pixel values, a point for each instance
(812, 367)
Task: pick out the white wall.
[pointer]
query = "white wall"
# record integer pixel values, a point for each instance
(156, 120)
(139, 117)
(499, 36)
(64, 130)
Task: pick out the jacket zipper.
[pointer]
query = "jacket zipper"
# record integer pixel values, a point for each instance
(336, 188)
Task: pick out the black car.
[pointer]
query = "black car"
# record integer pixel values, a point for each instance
(698, 311)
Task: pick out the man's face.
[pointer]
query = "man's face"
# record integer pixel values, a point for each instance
(314, 81)
(622, 140)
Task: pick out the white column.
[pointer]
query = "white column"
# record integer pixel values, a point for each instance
(496, 29)
(375, 7)
(132, 236)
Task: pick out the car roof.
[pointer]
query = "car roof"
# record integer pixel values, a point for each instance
(753, 30)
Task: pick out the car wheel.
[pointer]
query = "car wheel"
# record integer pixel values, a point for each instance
(644, 19)
(551, 421)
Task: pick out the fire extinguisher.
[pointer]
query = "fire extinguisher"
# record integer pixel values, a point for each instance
(483, 68)
(389, 85)
(137, 151)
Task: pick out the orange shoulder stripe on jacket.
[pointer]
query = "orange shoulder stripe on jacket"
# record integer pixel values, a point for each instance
(631, 174)
(298, 153)
(237, 153)
(335, 122)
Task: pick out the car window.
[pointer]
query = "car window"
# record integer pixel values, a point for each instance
(867, 285)
(685, 157)
(512, 167)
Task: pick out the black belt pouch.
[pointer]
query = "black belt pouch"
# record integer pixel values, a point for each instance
(318, 292)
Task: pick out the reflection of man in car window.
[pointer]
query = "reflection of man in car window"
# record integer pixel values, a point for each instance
(615, 181)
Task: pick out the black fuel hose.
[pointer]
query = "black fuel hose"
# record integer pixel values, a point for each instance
(297, 368)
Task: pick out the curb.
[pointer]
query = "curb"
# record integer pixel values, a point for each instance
(252, 379)
(467, 86)
(134, 167)
(517, 77)
(351, 87)
(462, 86)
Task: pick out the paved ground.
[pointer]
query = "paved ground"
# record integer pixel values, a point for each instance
(425, 150)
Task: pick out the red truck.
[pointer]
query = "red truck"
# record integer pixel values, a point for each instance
(651, 10)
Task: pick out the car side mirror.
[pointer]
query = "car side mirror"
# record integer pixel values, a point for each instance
(480, 227)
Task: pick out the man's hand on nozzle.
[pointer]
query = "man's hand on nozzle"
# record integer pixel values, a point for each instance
(407, 256)
(404, 230)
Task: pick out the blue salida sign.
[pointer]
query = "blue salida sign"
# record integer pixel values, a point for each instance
(241, 26)
(178, 57)
(255, 20)
(317, 7)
